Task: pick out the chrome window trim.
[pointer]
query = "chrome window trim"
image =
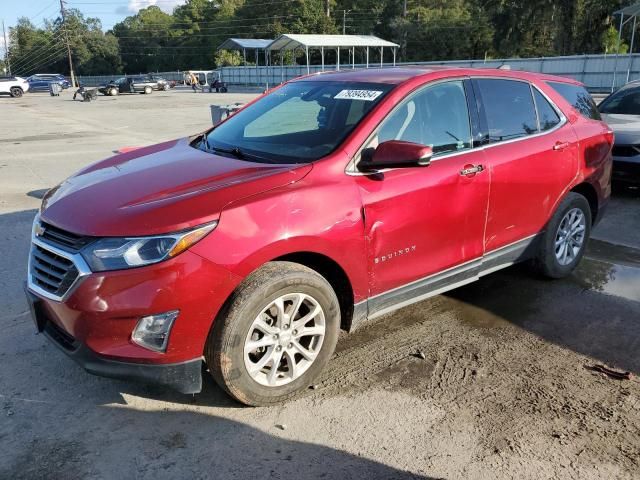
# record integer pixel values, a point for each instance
(75, 258)
(351, 168)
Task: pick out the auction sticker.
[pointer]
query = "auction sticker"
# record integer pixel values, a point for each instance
(366, 95)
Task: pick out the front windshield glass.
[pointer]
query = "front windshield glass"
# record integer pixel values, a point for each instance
(298, 123)
(624, 102)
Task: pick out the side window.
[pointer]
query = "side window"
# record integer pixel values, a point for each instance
(436, 116)
(579, 98)
(509, 108)
(623, 102)
(547, 116)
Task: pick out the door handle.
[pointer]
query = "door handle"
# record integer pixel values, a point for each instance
(469, 170)
(560, 145)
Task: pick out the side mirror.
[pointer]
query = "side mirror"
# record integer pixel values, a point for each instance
(395, 154)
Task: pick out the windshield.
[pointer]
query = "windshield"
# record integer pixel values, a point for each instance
(623, 102)
(298, 123)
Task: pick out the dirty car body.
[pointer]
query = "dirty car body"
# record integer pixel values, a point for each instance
(330, 201)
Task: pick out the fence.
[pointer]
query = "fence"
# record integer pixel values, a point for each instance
(595, 71)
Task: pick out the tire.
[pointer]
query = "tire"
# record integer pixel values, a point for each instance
(223, 89)
(235, 327)
(559, 262)
(147, 90)
(15, 92)
(113, 92)
(165, 87)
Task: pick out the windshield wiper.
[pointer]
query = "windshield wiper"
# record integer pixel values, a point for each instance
(235, 151)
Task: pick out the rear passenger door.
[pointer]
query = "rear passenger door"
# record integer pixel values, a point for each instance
(531, 151)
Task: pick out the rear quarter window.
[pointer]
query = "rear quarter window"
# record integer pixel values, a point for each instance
(577, 96)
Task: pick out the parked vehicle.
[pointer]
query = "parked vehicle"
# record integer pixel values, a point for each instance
(13, 86)
(40, 81)
(215, 83)
(161, 83)
(621, 110)
(330, 201)
(129, 85)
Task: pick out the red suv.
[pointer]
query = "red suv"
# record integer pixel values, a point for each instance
(330, 201)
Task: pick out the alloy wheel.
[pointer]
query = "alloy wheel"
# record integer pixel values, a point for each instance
(284, 339)
(570, 236)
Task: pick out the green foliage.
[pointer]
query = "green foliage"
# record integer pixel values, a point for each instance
(227, 58)
(36, 50)
(610, 42)
(187, 38)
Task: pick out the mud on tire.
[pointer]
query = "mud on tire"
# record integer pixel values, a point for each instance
(234, 330)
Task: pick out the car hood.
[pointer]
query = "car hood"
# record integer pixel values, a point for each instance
(625, 127)
(158, 189)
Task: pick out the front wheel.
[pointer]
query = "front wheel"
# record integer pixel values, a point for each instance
(565, 238)
(15, 92)
(113, 92)
(275, 335)
(148, 90)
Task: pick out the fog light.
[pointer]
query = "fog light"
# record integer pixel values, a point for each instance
(152, 332)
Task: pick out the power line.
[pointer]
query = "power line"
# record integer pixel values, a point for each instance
(55, 56)
(30, 58)
(66, 39)
(38, 50)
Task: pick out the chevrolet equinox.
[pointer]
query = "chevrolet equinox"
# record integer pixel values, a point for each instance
(328, 202)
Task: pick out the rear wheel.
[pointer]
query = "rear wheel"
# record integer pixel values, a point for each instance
(148, 90)
(275, 335)
(565, 238)
(15, 92)
(113, 92)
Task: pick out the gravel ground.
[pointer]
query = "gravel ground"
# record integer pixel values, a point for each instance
(489, 381)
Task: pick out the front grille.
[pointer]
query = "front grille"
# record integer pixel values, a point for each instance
(64, 239)
(626, 150)
(51, 272)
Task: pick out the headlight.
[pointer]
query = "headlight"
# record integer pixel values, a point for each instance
(120, 253)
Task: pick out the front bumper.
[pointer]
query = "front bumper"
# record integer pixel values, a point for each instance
(185, 377)
(94, 322)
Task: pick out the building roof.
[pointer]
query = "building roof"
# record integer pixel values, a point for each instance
(630, 11)
(293, 41)
(244, 43)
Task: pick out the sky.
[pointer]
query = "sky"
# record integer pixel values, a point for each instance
(108, 11)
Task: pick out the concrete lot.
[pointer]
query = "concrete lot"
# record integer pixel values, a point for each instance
(502, 393)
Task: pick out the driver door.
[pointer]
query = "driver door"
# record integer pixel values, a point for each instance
(421, 221)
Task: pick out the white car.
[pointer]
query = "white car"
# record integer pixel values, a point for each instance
(14, 86)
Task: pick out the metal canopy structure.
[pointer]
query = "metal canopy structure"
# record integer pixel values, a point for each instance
(309, 42)
(244, 44)
(631, 13)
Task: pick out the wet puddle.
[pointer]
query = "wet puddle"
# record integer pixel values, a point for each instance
(619, 280)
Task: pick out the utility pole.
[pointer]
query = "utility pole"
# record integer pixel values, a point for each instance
(344, 21)
(327, 9)
(66, 39)
(6, 50)
(404, 34)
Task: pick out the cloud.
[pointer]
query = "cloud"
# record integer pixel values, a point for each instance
(165, 5)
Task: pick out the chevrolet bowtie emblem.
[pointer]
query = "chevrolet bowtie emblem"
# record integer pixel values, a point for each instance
(38, 230)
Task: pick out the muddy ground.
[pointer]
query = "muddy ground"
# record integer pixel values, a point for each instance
(492, 380)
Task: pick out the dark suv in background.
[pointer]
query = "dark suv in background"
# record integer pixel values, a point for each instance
(40, 81)
(129, 85)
